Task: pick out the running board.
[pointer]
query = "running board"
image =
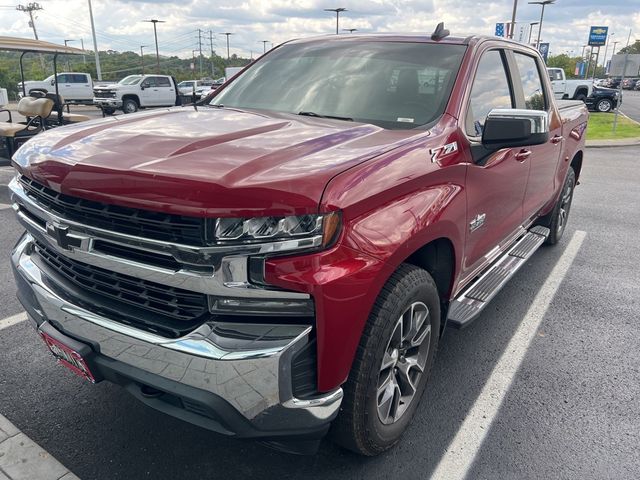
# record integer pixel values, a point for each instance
(470, 303)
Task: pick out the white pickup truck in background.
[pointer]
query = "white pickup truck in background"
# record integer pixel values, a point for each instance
(135, 92)
(74, 87)
(563, 89)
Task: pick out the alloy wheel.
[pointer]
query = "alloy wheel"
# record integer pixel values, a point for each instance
(403, 363)
(565, 207)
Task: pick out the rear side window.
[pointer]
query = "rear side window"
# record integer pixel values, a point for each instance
(531, 82)
(490, 90)
(79, 78)
(162, 82)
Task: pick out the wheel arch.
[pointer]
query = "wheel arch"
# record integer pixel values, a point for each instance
(576, 163)
(131, 96)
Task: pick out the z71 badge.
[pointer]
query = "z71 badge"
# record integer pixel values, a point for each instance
(439, 152)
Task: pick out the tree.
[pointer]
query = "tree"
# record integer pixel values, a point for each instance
(633, 48)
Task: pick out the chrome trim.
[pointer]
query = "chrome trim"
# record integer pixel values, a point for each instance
(539, 119)
(229, 277)
(248, 365)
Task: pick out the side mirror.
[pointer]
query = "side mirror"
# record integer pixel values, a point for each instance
(53, 82)
(143, 86)
(509, 128)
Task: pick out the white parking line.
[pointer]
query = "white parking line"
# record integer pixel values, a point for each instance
(13, 320)
(4, 206)
(462, 450)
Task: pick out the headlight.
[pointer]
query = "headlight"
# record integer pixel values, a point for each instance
(271, 229)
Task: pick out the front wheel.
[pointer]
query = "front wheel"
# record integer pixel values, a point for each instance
(392, 364)
(604, 105)
(581, 96)
(129, 106)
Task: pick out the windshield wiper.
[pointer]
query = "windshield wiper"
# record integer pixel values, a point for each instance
(314, 114)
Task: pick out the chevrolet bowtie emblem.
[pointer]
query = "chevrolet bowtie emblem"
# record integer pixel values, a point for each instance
(60, 233)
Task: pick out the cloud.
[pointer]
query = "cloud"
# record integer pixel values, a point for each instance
(119, 22)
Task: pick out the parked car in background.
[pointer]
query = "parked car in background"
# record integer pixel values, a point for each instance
(73, 86)
(135, 92)
(186, 87)
(603, 99)
(629, 83)
(613, 82)
(286, 258)
(637, 87)
(563, 88)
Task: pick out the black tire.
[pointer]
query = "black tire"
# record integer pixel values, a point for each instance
(581, 96)
(604, 105)
(109, 110)
(557, 220)
(358, 426)
(129, 105)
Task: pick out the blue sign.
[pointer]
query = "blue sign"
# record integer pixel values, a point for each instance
(543, 48)
(598, 36)
(580, 68)
(499, 29)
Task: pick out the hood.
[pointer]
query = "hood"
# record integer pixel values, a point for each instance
(210, 162)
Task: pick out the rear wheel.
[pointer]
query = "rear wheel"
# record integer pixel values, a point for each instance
(557, 220)
(581, 96)
(392, 364)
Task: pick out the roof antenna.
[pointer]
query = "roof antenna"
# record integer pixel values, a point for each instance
(440, 32)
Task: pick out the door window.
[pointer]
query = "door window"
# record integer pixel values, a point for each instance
(63, 78)
(531, 82)
(490, 90)
(162, 82)
(77, 78)
(149, 82)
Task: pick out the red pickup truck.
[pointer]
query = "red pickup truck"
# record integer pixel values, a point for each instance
(282, 260)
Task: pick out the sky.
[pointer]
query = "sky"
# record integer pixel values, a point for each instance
(119, 23)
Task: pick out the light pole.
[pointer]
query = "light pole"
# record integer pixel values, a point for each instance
(264, 45)
(531, 31)
(228, 34)
(513, 19)
(95, 43)
(544, 3)
(606, 50)
(155, 34)
(65, 44)
(142, 57)
(337, 10)
(350, 30)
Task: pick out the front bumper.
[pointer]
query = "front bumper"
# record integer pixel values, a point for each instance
(232, 378)
(107, 102)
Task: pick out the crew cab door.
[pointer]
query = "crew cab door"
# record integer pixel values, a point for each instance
(65, 87)
(149, 92)
(532, 94)
(82, 87)
(166, 91)
(495, 186)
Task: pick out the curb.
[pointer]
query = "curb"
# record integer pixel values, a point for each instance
(23, 459)
(627, 142)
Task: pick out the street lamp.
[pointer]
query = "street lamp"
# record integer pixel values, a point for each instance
(65, 44)
(544, 3)
(155, 34)
(228, 34)
(337, 10)
(531, 31)
(142, 57)
(606, 50)
(350, 30)
(264, 45)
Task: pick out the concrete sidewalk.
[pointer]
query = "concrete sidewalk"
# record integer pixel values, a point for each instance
(23, 459)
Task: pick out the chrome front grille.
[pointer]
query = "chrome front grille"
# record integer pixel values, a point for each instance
(132, 221)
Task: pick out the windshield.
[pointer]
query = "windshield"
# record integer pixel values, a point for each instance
(397, 85)
(130, 80)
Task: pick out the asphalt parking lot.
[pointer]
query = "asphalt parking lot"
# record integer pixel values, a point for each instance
(570, 412)
(631, 104)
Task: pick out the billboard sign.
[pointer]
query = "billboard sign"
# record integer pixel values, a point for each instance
(580, 68)
(598, 36)
(617, 66)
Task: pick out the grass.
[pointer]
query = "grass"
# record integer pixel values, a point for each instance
(601, 127)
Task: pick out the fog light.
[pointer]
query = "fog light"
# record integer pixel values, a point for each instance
(262, 307)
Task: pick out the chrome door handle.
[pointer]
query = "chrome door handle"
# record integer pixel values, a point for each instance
(522, 155)
(557, 139)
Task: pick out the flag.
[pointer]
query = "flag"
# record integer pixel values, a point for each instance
(499, 29)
